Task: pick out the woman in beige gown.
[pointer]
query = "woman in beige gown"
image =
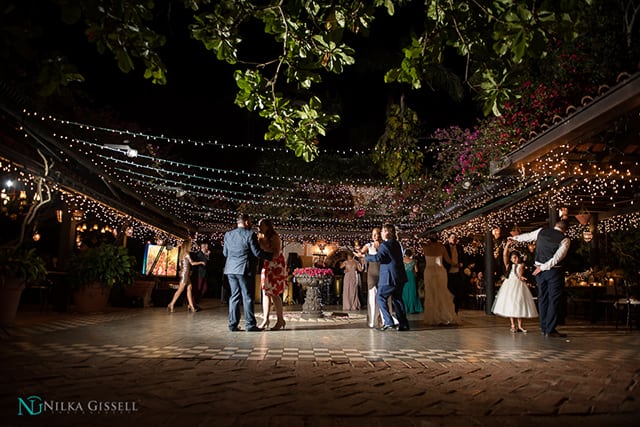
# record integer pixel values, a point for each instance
(438, 300)
(350, 299)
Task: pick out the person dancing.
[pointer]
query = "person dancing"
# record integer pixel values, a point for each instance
(552, 247)
(373, 273)
(273, 275)
(392, 279)
(514, 300)
(185, 278)
(200, 259)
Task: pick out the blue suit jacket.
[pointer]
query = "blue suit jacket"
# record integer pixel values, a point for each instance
(392, 271)
(242, 251)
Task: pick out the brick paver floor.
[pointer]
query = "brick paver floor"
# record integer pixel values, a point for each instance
(145, 367)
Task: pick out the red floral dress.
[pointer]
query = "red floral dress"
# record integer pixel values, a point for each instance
(274, 276)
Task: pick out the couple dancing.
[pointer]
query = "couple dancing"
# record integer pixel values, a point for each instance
(439, 307)
(241, 248)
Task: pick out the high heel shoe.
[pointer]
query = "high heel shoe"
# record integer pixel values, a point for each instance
(170, 308)
(264, 324)
(513, 330)
(280, 324)
(521, 329)
(191, 309)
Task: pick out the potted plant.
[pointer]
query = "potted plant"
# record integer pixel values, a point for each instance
(139, 295)
(17, 266)
(95, 271)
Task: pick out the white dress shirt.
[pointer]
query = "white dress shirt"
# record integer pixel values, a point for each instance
(558, 256)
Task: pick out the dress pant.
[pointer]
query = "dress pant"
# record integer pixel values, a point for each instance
(239, 285)
(384, 291)
(201, 288)
(455, 285)
(550, 288)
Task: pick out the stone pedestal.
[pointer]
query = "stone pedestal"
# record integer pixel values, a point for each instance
(312, 307)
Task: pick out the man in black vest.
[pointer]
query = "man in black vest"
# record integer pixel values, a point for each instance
(551, 248)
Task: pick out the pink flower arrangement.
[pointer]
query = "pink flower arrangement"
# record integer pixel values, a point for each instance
(313, 272)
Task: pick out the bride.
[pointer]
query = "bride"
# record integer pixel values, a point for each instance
(438, 301)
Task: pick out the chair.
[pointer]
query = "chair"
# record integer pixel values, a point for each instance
(580, 300)
(44, 288)
(628, 304)
(604, 303)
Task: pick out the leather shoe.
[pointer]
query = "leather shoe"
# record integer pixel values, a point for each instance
(403, 328)
(555, 334)
(234, 329)
(254, 329)
(385, 327)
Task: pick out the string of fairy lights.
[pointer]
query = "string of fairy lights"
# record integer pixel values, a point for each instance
(216, 144)
(114, 219)
(199, 169)
(167, 183)
(85, 210)
(589, 185)
(332, 198)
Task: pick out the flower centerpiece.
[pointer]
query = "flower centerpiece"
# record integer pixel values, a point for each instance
(311, 273)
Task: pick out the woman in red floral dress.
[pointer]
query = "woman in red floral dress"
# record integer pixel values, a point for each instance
(274, 274)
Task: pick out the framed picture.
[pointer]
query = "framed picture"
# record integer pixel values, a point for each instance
(160, 260)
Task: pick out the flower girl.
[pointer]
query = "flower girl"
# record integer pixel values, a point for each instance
(514, 300)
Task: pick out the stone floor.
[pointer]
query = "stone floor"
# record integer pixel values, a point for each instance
(147, 367)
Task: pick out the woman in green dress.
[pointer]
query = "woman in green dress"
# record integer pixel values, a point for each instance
(410, 292)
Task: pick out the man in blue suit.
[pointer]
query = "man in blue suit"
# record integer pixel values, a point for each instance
(392, 278)
(242, 252)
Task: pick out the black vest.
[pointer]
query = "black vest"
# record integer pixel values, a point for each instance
(547, 244)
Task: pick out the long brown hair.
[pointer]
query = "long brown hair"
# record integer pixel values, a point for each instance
(270, 231)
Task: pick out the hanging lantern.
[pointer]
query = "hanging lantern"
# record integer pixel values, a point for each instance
(563, 213)
(587, 235)
(583, 217)
(22, 198)
(59, 215)
(78, 215)
(36, 236)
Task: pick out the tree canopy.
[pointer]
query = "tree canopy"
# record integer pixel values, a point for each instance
(282, 49)
(522, 61)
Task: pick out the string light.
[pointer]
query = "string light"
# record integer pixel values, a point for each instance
(589, 183)
(198, 143)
